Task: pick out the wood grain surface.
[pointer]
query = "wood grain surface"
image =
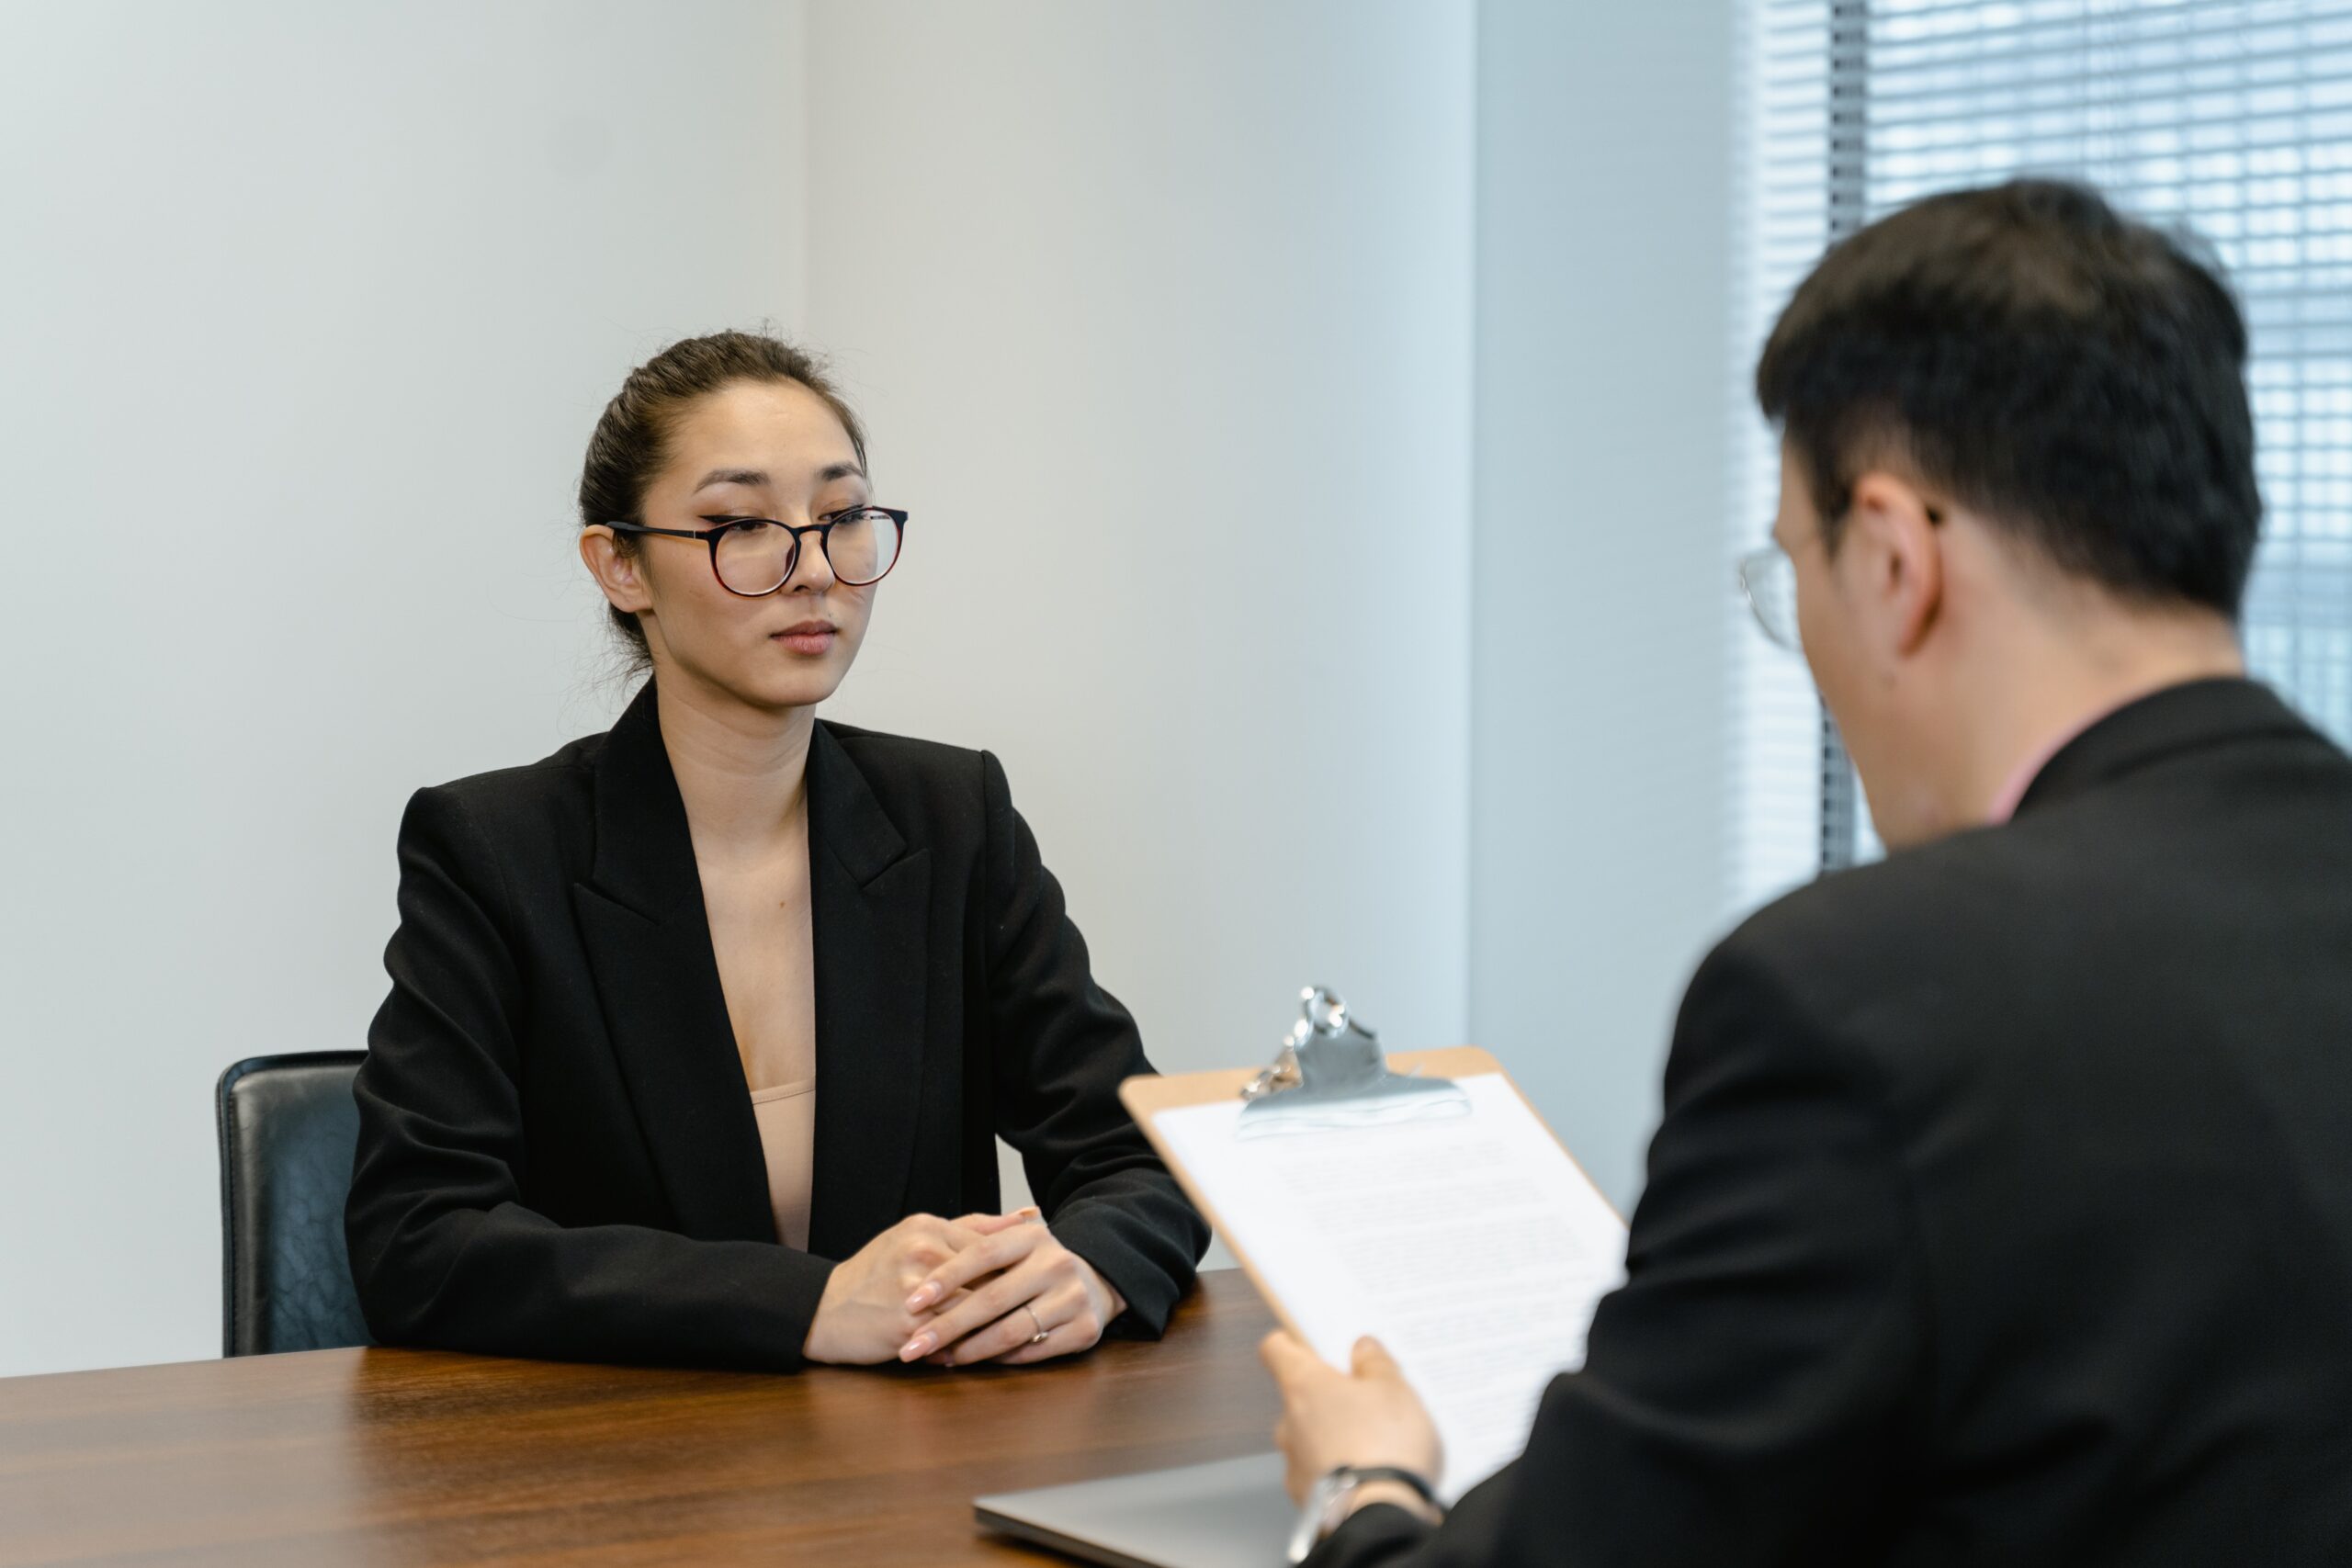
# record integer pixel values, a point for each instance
(402, 1457)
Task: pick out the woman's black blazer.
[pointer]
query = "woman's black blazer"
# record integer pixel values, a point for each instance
(558, 1155)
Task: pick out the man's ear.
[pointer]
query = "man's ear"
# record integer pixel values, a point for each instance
(616, 573)
(1890, 529)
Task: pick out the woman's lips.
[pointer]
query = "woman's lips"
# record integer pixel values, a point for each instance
(808, 636)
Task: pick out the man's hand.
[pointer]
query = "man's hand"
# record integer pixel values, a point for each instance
(1370, 1416)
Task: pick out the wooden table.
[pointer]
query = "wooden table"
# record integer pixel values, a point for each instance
(398, 1456)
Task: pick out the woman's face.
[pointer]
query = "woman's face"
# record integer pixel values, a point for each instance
(751, 449)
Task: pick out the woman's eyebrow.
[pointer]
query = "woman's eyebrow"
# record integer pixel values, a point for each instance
(731, 477)
(756, 477)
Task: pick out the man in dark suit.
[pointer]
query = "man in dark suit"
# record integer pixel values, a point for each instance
(2002, 1207)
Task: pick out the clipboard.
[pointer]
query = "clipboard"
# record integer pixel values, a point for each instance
(1293, 1125)
(1425, 1223)
(1146, 1096)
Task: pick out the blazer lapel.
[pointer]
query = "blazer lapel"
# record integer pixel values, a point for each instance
(649, 945)
(868, 900)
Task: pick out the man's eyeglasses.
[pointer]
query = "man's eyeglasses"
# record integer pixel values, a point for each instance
(756, 555)
(1769, 579)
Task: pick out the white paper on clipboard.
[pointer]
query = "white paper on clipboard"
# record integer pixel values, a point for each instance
(1470, 1245)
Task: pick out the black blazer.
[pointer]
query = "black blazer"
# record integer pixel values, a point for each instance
(558, 1155)
(2002, 1209)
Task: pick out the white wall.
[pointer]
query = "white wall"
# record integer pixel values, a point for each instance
(1605, 247)
(308, 311)
(1160, 314)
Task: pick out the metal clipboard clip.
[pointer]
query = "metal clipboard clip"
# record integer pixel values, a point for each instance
(1331, 1075)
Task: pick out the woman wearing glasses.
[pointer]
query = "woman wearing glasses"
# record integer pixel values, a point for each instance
(702, 1029)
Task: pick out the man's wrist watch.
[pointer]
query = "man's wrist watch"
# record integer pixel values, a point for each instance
(1328, 1504)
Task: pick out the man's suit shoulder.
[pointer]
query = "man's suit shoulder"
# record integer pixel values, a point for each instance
(1924, 918)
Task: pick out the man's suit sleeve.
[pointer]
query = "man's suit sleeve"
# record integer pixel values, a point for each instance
(1748, 1392)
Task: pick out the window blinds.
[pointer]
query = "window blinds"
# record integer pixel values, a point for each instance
(2230, 117)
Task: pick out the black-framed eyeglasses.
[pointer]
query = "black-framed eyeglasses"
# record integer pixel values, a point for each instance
(753, 557)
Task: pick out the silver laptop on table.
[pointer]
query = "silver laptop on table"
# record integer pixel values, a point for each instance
(1232, 1514)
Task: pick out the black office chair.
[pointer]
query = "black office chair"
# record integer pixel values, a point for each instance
(288, 1128)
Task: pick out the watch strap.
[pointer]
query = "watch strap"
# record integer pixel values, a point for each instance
(1365, 1474)
(1315, 1521)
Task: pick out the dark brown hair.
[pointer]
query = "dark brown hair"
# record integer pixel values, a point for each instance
(2075, 375)
(631, 441)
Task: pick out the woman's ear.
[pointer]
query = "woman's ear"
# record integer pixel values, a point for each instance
(1892, 531)
(616, 571)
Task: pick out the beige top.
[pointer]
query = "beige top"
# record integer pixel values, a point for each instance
(767, 953)
(787, 1117)
(780, 1066)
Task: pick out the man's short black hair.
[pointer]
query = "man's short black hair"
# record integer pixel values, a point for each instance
(2074, 376)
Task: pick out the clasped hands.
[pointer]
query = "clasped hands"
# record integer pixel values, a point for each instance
(958, 1293)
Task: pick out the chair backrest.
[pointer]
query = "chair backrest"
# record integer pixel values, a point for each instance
(287, 1129)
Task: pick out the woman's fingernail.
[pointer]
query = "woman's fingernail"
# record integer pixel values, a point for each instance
(915, 1350)
(921, 1297)
(1032, 1211)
